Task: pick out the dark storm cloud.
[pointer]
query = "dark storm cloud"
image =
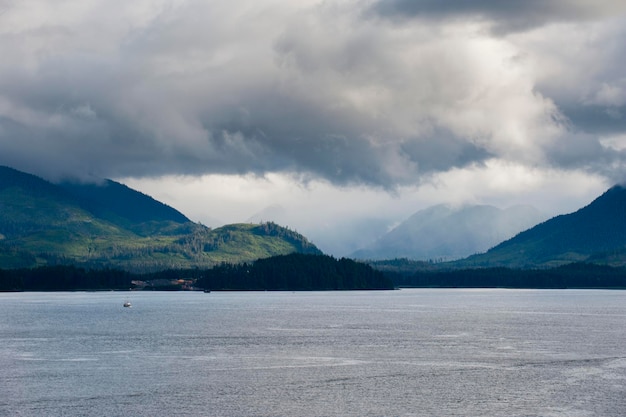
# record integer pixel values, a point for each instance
(505, 15)
(595, 119)
(316, 90)
(584, 152)
(589, 85)
(188, 94)
(444, 152)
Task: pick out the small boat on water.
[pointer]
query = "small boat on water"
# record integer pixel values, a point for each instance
(127, 304)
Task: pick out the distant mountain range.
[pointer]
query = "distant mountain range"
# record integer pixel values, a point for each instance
(109, 224)
(445, 232)
(120, 204)
(594, 234)
(341, 237)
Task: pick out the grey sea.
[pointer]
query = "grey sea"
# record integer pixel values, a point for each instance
(418, 352)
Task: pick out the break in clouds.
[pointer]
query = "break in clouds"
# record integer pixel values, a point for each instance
(380, 93)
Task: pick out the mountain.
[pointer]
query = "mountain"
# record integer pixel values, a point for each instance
(273, 213)
(596, 233)
(111, 225)
(344, 237)
(341, 236)
(119, 204)
(445, 232)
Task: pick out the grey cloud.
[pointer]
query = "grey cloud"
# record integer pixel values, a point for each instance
(581, 69)
(443, 151)
(171, 99)
(585, 152)
(318, 92)
(505, 16)
(596, 120)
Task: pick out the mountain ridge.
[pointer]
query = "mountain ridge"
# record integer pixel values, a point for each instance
(595, 232)
(46, 224)
(446, 232)
(119, 203)
(111, 225)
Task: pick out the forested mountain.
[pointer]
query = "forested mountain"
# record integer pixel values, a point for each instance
(595, 233)
(444, 232)
(573, 275)
(114, 226)
(119, 204)
(293, 272)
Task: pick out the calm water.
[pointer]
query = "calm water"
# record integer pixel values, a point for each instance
(399, 353)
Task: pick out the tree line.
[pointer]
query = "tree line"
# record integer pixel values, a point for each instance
(294, 272)
(574, 275)
(300, 272)
(63, 278)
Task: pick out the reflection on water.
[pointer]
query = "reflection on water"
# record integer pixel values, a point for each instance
(399, 353)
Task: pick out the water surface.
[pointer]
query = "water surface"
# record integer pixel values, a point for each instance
(389, 353)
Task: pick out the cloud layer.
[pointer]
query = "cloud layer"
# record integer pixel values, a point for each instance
(501, 16)
(385, 94)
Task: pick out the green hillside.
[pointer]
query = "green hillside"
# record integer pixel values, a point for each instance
(110, 225)
(595, 233)
(117, 203)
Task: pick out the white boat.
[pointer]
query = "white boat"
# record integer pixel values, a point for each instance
(127, 304)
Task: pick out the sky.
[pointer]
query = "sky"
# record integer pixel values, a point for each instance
(336, 118)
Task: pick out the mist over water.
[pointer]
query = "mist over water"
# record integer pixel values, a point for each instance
(395, 353)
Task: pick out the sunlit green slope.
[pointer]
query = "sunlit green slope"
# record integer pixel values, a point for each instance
(595, 233)
(110, 225)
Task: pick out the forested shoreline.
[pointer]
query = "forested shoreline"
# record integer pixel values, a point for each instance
(300, 272)
(574, 275)
(64, 278)
(294, 272)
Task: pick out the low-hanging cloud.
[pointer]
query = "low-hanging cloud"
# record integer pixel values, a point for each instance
(314, 89)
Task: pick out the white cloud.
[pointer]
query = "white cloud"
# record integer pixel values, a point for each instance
(335, 110)
(341, 220)
(610, 95)
(317, 89)
(614, 142)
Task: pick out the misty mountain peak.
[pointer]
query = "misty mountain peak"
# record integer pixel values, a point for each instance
(450, 232)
